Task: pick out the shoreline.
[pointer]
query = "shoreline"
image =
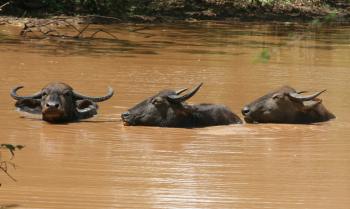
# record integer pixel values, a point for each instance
(144, 19)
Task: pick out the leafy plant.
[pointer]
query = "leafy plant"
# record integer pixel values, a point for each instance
(4, 164)
(328, 19)
(264, 56)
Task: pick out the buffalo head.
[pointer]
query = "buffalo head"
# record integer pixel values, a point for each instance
(287, 106)
(58, 102)
(168, 109)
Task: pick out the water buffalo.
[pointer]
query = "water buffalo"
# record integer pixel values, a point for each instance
(168, 109)
(57, 102)
(286, 105)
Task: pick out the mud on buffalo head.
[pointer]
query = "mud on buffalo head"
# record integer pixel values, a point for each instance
(58, 102)
(168, 109)
(286, 105)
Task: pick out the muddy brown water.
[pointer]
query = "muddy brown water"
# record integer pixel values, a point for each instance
(99, 163)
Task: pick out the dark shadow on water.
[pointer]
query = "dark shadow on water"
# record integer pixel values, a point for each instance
(8, 206)
(70, 122)
(185, 127)
(99, 121)
(86, 47)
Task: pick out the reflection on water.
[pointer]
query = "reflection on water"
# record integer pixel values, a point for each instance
(135, 39)
(99, 163)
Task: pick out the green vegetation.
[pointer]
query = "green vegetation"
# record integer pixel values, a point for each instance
(263, 57)
(201, 9)
(328, 19)
(5, 163)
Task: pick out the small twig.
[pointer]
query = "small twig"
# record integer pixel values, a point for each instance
(47, 29)
(137, 30)
(3, 163)
(104, 17)
(82, 31)
(26, 29)
(50, 31)
(45, 24)
(71, 25)
(4, 5)
(5, 171)
(101, 30)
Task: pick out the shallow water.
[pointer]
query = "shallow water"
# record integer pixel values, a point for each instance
(99, 163)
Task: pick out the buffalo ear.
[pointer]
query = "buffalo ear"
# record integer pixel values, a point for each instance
(86, 108)
(32, 106)
(308, 105)
(157, 101)
(277, 96)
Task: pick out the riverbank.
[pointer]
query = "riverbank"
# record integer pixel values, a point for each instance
(175, 10)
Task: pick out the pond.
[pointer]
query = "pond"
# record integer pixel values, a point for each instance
(99, 163)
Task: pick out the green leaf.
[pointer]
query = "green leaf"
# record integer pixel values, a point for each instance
(264, 56)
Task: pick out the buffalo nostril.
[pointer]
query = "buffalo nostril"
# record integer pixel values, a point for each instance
(125, 114)
(245, 110)
(50, 105)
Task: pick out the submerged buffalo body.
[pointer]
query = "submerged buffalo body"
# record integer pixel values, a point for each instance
(57, 102)
(286, 105)
(167, 109)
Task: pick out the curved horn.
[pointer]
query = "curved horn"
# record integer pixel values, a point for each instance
(95, 99)
(16, 97)
(302, 98)
(181, 91)
(179, 98)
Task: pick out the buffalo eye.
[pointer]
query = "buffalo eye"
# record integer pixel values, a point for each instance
(157, 101)
(67, 93)
(44, 94)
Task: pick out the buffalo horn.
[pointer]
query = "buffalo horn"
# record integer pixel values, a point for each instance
(95, 99)
(301, 92)
(16, 97)
(179, 98)
(181, 91)
(301, 98)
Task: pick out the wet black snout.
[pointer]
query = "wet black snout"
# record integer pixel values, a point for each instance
(245, 110)
(125, 114)
(53, 105)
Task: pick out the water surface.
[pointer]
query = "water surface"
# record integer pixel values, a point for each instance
(99, 163)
